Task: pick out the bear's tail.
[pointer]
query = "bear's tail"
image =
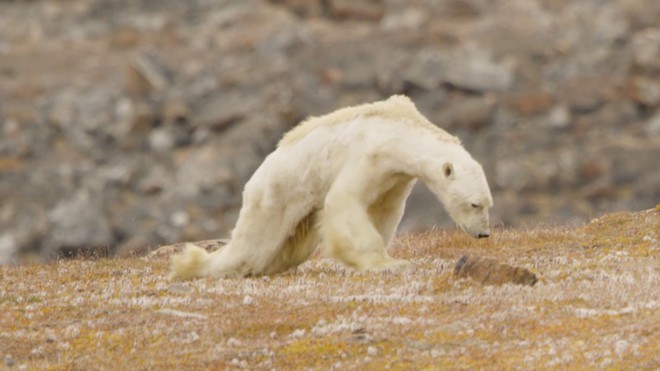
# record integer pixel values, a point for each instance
(190, 263)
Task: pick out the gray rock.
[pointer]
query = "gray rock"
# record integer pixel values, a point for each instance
(473, 68)
(24, 224)
(8, 247)
(161, 139)
(79, 222)
(490, 272)
(645, 90)
(203, 169)
(427, 69)
(559, 117)
(9, 361)
(653, 125)
(583, 94)
(150, 69)
(408, 18)
(156, 178)
(224, 109)
(513, 174)
(357, 9)
(468, 113)
(646, 49)
(469, 67)
(630, 155)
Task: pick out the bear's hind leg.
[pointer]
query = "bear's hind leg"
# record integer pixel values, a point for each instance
(257, 240)
(298, 247)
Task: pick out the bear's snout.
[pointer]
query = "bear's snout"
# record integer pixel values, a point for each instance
(483, 235)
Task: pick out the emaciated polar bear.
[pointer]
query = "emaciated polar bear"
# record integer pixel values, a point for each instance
(342, 180)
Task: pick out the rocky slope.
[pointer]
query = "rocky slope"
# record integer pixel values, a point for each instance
(128, 124)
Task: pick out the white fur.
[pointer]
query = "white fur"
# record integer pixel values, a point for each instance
(343, 179)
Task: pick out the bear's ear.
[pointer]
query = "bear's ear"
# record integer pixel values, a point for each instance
(448, 170)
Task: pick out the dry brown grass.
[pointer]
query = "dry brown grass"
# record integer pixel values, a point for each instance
(596, 305)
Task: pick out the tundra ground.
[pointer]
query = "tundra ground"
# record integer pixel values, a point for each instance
(596, 305)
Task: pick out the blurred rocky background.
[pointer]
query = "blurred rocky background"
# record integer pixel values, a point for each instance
(125, 124)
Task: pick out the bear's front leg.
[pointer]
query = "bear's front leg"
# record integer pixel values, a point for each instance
(350, 237)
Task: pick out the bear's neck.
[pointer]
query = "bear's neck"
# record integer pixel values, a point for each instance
(424, 159)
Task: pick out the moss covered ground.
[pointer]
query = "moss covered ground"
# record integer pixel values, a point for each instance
(596, 306)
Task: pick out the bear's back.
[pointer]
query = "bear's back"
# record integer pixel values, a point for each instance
(397, 108)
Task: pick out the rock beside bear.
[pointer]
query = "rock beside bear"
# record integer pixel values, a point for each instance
(490, 272)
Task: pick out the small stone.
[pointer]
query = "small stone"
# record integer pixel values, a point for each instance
(425, 70)
(248, 300)
(468, 113)
(8, 246)
(592, 169)
(125, 38)
(161, 140)
(406, 19)
(175, 110)
(559, 117)
(646, 49)
(180, 219)
(182, 314)
(435, 353)
(179, 289)
(653, 125)
(10, 164)
(473, 68)
(490, 272)
(304, 8)
(584, 94)
(222, 110)
(644, 90)
(154, 181)
(530, 103)
(9, 361)
(153, 74)
(297, 333)
(233, 342)
(358, 9)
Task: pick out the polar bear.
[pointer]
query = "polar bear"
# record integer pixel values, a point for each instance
(341, 180)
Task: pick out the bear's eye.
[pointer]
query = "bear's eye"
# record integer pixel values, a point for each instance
(475, 206)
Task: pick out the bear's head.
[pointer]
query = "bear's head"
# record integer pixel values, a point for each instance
(465, 194)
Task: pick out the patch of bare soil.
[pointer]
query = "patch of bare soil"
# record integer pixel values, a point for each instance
(596, 304)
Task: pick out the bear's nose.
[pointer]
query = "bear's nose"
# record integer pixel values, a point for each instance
(483, 235)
